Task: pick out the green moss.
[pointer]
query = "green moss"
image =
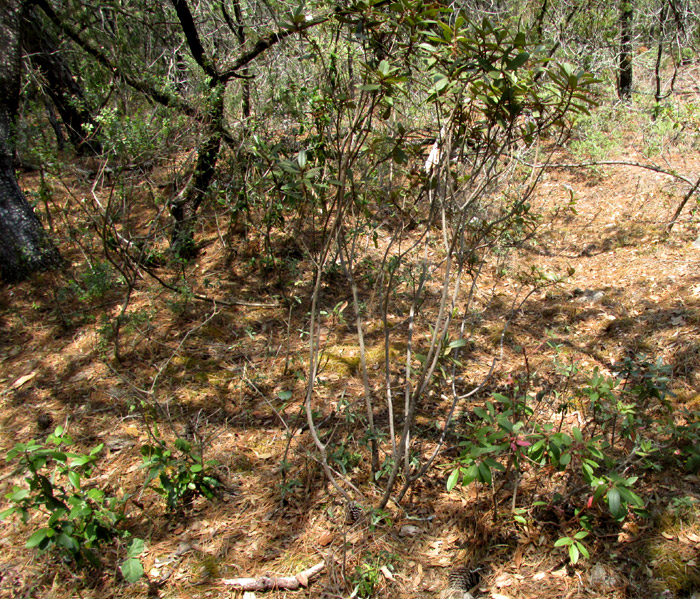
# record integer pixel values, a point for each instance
(345, 359)
(672, 558)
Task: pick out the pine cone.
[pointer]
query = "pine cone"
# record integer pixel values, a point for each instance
(464, 578)
(354, 512)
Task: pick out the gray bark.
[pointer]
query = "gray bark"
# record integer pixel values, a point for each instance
(24, 246)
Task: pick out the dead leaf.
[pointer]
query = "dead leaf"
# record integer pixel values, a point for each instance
(23, 379)
(325, 539)
(387, 573)
(416, 580)
(499, 596)
(503, 580)
(303, 579)
(409, 530)
(518, 557)
(692, 537)
(668, 536)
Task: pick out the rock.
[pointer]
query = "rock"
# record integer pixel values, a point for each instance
(588, 295)
(600, 578)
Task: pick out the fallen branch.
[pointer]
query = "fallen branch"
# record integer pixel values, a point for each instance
(268, 583)
(649, 167)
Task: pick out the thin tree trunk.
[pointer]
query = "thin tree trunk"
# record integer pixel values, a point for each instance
(184, 209)
(659, 54)
(624, 83)
(24, 246)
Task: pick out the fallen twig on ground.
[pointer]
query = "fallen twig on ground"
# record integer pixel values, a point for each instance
(266, 583)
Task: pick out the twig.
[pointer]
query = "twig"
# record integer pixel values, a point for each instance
(649, 167)
(690, 193)
(268, 583)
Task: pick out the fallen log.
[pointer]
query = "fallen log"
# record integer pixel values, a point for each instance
(268, 583)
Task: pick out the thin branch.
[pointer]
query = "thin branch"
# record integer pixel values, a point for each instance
(192, 36)
(649, 167)
(687, 197)
(265, 43)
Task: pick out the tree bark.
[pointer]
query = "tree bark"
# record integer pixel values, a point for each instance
(61, 87)
(184, 209)
(24, 246)
(624, 82)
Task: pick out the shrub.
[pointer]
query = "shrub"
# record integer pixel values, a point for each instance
(77, 519)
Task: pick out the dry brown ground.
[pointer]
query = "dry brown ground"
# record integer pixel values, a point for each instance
(226, 375)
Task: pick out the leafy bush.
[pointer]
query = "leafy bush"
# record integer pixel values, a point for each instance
(629, 416)
(368, 574)
(78, 520)
(181, 475)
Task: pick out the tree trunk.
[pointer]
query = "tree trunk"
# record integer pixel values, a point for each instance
(184, 209)
(61, 87)
(24, 247)
(624, 82)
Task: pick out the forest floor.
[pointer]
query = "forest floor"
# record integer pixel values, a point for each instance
(231, 377)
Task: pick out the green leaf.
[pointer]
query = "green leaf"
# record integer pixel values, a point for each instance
(96, 495)
(563, 541)
(97, 449)
(614, 503)
(583, 550)
(18, 495)
(518, 61)
(80, 461)
(301, 159)
(630, 497)
(74, 479)
(494, 464)
(470, 474)
(485, 473)
(453, 478)
(581, 534)
(481, 413)
(457, 343)
(5, 513)
(136, 547)
(573, 553)
(131, 569)
(183, 445)
(284, 395)
(577, 434)
(37, 538)
(68, 542)
(369, 87)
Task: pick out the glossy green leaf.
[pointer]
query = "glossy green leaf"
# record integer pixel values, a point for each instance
(452, 479)
(37, 538)
(614, 503)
